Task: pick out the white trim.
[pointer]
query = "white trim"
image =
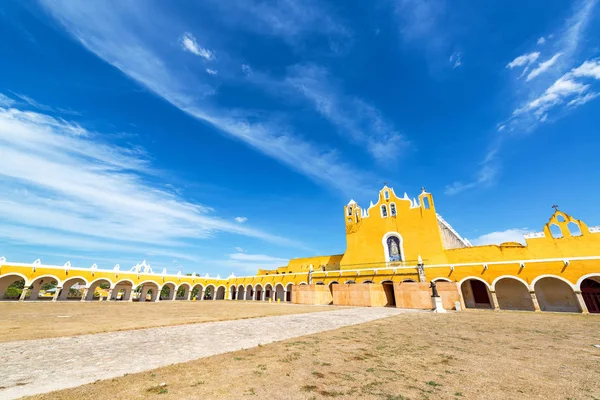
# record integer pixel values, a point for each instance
(25, 284)
(381, 207)
(101, 279)
(441, 279)
(198, 284)
(146, 281)
(451, 229)
(408, 281)
(368, 281)
(58, 281)
(533, 282)
(303, 283)
(184, 283)
(87, 284)
(487, 285)
(385, 248)
(280, 284)
(261, 287)
(290, 283)
(495, 281)
(169, 282)
(268, 284)
(580, 281)
(395, 213)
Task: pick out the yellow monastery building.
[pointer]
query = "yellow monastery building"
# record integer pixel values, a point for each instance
(395, 249)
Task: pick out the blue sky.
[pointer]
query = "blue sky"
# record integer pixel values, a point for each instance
(218, 137)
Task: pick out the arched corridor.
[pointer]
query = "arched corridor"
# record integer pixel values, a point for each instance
(241, 295)
(41, 285)
(513, 294)
(168, 292)
(11, 286)
(220, 293)
(98, 289)
(183, 292)
(249, 292)
(258, 292)
(123, 291)
(590, 290)
(210, 292)
(556, 295)
(288, 295)
(233, 292)
(198, 292)
(476, 294)
(268, 292)
(148, 291)
(279, 292)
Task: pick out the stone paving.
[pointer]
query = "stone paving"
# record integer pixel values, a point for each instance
(42, 365)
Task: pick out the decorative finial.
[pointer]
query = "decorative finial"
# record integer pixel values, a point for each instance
(384, 183)
(422, 188)
(555, 207)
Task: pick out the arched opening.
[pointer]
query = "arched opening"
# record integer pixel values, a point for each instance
(183, 292)
(122, 291)
(11, 287)
(147, 291)
(268, 291)
(476, 294)
(390, 296)
(220, 293)
(331, 285)
(279, 292)
(320, 283)
(209, 292)
(232, 292)
(590, 290)
(513, 294)
(426, 204)
(368, 282)
(574, 229)
(288, 295)
(384, 212)
(392, 209)
(392, 247)
(258, 292)
(556, 295)
(560, 218)
(249, 292)
(350, 282)
(99, 289)
(167, 292)
(197, 292)
(42, 288)
(72, 289)
(241, 294)
(409, 281)
(555, 231)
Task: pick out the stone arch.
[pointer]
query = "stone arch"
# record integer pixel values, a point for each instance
(513, 294)
(258, 292)
(476, 292)
(288, 295)
(168, 291)
(241, 292)
(589, 285)
(185, 293)
(210, 292)
(279, 292)
(232, 292)
(68, 290)
(386, 250)
(249, 292)
(95, 286)
(198, 291)
(555, 294)
(12, 280)
(148, 291)
(268, 291)
(36, 285)
(221, 292)
(122, 290)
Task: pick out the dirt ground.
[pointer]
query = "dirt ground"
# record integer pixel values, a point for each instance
(471, 355)
(24, 321)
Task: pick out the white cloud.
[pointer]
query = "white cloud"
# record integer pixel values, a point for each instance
(246, 69)
(541, 40)
(589, 69)
(188, 42)
(211, 71)
(6, 101)
(248, 263)
(524, 59)
(509, 235)
(543, 66)
(240, 220)
(485, 175)
(64, 186)
(456, 59)
(239, 249)
(581, 100)
(107, 32)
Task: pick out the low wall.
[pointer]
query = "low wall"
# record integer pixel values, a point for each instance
(361, 295)
(418, 295)
(311, 294)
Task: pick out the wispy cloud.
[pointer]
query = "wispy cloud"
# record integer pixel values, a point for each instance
(509, 235)
(66, 187)
(352, 116)
(541, 40)
(241, 220)
(523, 60)
(211, 71)
(543, 67)
(456, 59)
(107, 32)
(188, 42)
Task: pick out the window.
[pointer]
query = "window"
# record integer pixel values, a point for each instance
(349, 210)
(560, 218)
(426, 202)
(384, 213)
(555, 231)
(574, 229)
(393, 210)
(386, 195)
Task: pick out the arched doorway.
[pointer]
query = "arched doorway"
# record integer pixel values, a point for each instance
(258, 292)
(268, 291)
(122, 291)
(147, 291)
(233, 292)
(513, 294)
(209, 293)
(11, 287)
(590, 290)
(167, 292)
(183, 292)
(198, 292)
(220, 293)
(476, 294)
(249, 292)
(556, 295)
(42, 288)
(279, 292)
(241, 293)
(288, 295)
(99, 289)
(388, 288)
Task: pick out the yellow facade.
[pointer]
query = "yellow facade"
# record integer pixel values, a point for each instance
(396, 239)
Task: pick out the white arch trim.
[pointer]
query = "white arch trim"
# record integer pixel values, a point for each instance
(384, 244)
(583, 278)
(508, 277)
(250, 286)
(169, 283)
(221, 286)
(58, 281)
(26, 284)
(268, 285)
(198, 284)
(477, 279)
(124, 280)
(148, 281)
(184, 283)
(257, 285)
(112, 285)
(441, 280)
(279, 284)
(533, 282)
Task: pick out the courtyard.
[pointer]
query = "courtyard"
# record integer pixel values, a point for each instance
(292, 351)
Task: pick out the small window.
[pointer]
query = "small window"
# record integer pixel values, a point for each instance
(555, 231)
(349, 210)
(560, 218)
(426, 203)
(384, 213)
(386, 195)
(393, 210)
(574, 229)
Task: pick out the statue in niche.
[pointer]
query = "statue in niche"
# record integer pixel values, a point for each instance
(393, 244)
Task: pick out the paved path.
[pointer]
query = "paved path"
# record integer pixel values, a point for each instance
(38, 366)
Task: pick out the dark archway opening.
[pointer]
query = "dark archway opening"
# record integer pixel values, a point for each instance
(590, 290)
